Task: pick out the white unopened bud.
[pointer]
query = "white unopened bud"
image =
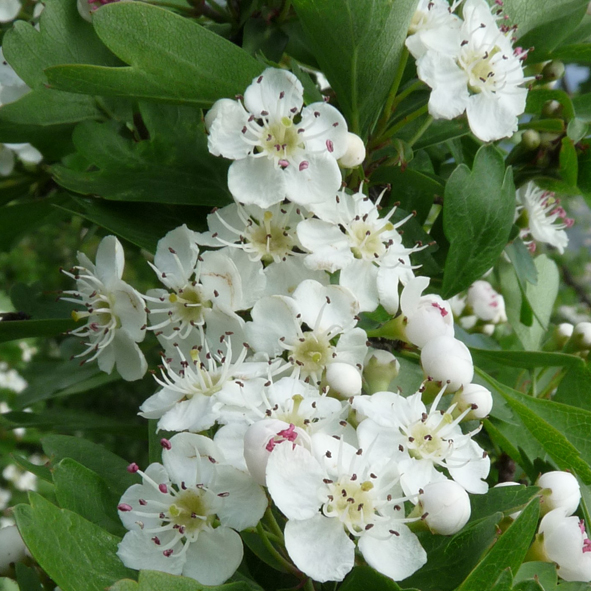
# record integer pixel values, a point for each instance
(562, 491)
(343, 379)
(486, 303)
(476, 397)
(355, 153)
(581, 336)
(446, 506)
(260, 440)
(564, 331)
(447, 360)
(12, 547)
(216, 108)
(379, 369)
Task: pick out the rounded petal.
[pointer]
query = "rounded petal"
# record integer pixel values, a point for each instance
(328, 245)
(325, 130)
(361, 278)
(225, 122)
(275, 92)
(257, 181)
(273, 317)
(320, 548)
(396, 556)
(214, 557)
(129, 359)
(489, 118)
(176, 256)
(310, 178)
(196, 414)
(137, 551)
(159, 403)
(9, 10)
(130, 309)
(110, 259)
(283, 278)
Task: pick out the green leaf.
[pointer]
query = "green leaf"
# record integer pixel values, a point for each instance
(577, 129)
(508, 552)
(358, 44)
(564, 431)
(42, 471)
(575, 387)
(27, 578)
(528, 586)
(550, 125)
(441, 131)
(504, 582)
(476, 226)
(526, 359)
(537, 98)
(506, 499)
(541, 297)
(83, 491)
(23, 329)
(450, 559)
(362, 578)
(157, 581)
(172, 166)
(582, 106)
(544, 572)
(171, 58)
(110, 467)
(580, 53)
(523, 263)
(569, 166)
(76, 554)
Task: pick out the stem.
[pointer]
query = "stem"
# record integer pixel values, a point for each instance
(274, 552)
(284, 11)
(411, 142)
(409, 90)
(383, 122)
(309, 586)
(272, 523)
(405, 121)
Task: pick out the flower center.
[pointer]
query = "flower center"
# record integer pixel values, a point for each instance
(272, 242)
(424, 440)
(280, 139)
(367, 240)
(351, 502)
(192, 511)
(190, 304)
(311, 353)
(480, 69)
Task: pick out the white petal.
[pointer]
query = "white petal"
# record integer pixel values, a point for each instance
(6, 161)
(178, 266)
(273, 318)
(361, 278)
(129, 359)
(474, 470)
(275, 92)
(328, 245)
(251, 275)
(196, 414)
(110, 259)
(284, 277)
(325, 130)
(221, 279)
(320, 548)
(257, 181)
(225, 121)
(411, 294)
(214, 557)
(9, 10)
(137, 551)
(311, 177)
(26, 152)
(130, 308)
(352, 347)
(489, 119)
(294, 478)
(230, 439)
(183, 461)
(396, 556)
(155, 406)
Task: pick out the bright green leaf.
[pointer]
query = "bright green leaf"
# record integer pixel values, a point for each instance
(569, 166)
(577, 129)
(507, 500)
(527, 359)
(362, 578)
(544, 572)
(478, 212)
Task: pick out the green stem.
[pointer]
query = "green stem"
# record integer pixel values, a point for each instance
(274, 552)
(413, 140)
(405, 121)
(383, 122)
(284, 11)
(272, 523)
(309, 586)
(408, 90)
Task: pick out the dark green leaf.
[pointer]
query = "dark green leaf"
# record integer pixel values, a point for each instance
(573, 53)
(441, 131)
(504, 582)
(27, 578)
(173, 166)
(260, 36)
(76, 554)
(527, 359)
(550, 125)
(477, 228)
(255, 544)
(42, 472)
(575, 387)
(110, 467)
(23, 329)
(362, 578)
(170, 58)
(528, 586)
(523, 262)
(358, 44)
(506, 499)
(569, 166)
(507, 553)
(582, 106)
(544, 572)
(37, 303)
(156, 581)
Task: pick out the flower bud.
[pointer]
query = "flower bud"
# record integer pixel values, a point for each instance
(530, 139)
(343, 379)
(553, 71)
(551, 109)
(447, 360)
(581, 337)
(380, 368)
(486, 303)
(261, 438)
(476, 397)
(12, 547)
(561, 491)
(355, 153)
(446, 506)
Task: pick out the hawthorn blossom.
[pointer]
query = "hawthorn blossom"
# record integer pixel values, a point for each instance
(334, 499)
(486, 303)
(541, 217)
(479, 73)
(447, 362)
(561, 490)
(279, 325)
(9, 10)
(445, 507)
(279, 149)
(184, 516)
(421, 441)
(114, 312)
(349, 235)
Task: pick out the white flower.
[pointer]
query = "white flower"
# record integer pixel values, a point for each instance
(327, 311)
(543, 217)
(479, 73)
(9, 10)
(115, 312)
(426, 316)
(448, 362)
(183, 516)
(402, 430)
(562, 492)
(276, 155)
(432, 21)
(476, 398)
(12, 547)
(355, 153)
(332, 496)
(265, 234)
(351, 236)
(283, 278)
(581, 335)
(445, 507)
(565, 542)
(486, 303)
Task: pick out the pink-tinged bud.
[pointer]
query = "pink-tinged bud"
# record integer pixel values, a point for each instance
(343, 379)
(562, 491)
(476, 397)
(124, 507)
(355, 152)
(165, 443)
(262, 437)
(448, 361)
(486, 303)
(133, 468)
(447, 506)
(12, 547)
